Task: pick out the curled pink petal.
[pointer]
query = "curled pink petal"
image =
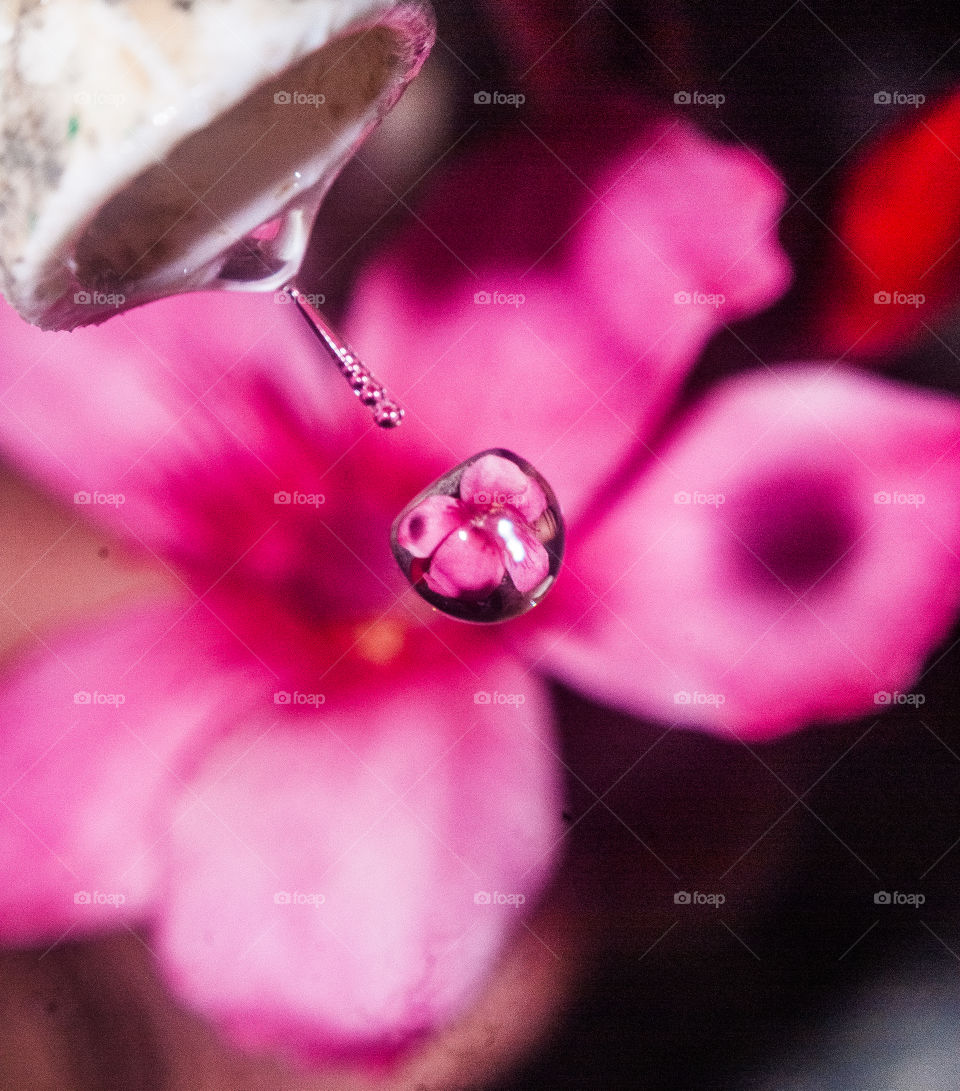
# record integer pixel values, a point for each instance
(349, 883)
(497, 481)
(467, 562)
(428, 524)
(781, 563)
(683, 240)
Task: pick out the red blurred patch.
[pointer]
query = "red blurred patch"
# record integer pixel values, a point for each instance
(897, 263)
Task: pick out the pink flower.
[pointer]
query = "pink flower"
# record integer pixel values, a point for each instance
(290, 770)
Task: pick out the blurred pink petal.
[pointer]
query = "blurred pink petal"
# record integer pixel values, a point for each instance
(189, 790)
(683, 241)
(381, 819)
(211, 451)
(793, 553)
(93, 735)
(568, 353)
(496, 480)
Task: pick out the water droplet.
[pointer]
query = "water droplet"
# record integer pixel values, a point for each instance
(485, 541)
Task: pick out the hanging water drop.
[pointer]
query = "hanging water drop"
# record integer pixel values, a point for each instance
(484, 542)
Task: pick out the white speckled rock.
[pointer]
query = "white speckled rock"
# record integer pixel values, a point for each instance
(140, 140)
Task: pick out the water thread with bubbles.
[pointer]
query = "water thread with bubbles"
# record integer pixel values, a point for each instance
(386, 411)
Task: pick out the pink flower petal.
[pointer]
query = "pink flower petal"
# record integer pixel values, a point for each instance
(529, 379)
(467, 562)
(382, 818)
(759, 578)
(526, 560)
(553, 331)
(213, 430)
(683, 240)
(202, 791)
(496, 480)
(428, 524)
(96, 732)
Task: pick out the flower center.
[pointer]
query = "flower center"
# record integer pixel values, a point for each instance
(381, 642)
(796, 531)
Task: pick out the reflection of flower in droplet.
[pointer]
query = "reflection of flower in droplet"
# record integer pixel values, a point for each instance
(494, 528)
